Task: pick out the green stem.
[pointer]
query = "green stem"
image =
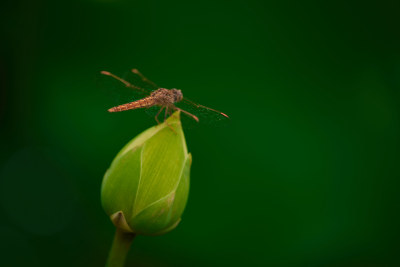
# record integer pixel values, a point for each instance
(120, 247)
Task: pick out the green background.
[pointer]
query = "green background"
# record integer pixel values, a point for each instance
(305, 174)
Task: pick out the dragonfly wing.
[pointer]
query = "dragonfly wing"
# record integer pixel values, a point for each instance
(138, 79)
(205, 114)
(121, 90)
(135, 77)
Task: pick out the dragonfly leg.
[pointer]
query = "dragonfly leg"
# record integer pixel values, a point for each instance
(165, 119)
(166, 112)
(187, 113)
(136, 71)
(158, 113)
(170, 127)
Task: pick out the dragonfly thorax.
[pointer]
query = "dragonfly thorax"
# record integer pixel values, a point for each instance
(166, 97)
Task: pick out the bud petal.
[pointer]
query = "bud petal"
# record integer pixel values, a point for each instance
(146, 188)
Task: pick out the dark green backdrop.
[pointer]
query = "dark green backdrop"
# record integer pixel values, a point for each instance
(305, 174)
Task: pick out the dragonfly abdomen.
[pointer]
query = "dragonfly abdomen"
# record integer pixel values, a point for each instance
(141, 103)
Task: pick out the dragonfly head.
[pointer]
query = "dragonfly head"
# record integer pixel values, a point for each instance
(177, 94)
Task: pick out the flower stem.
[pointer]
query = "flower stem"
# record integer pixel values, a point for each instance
(120, 247)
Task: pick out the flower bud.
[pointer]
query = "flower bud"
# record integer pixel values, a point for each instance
(145, 190)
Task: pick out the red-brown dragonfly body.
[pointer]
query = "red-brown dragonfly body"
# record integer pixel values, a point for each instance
(162, 97)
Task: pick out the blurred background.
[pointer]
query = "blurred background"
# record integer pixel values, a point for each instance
(305, 174)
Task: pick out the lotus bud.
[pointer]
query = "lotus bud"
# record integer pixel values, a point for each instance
(146, 188)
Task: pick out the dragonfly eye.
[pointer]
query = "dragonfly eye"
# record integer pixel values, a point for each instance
(177, 95)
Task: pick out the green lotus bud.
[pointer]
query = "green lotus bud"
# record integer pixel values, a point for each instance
(146, 187)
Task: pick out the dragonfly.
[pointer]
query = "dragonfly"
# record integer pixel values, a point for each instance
(169, 100)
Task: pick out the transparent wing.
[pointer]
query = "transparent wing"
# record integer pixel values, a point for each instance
(135, 77)
(125, 89)
(205, 114)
